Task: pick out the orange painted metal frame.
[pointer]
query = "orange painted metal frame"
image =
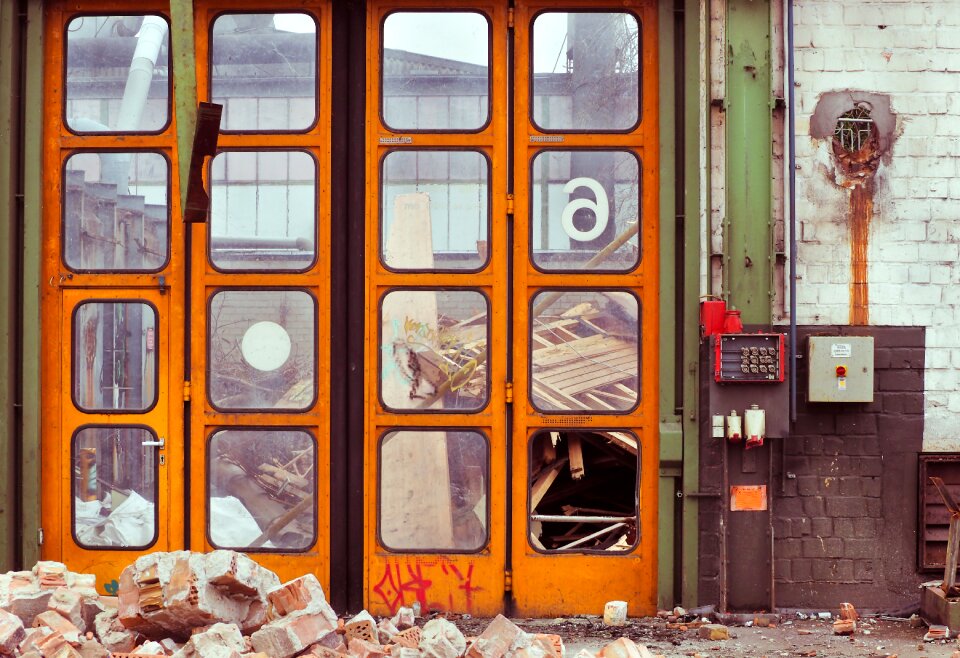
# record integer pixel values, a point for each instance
(569, 583)
(61, 290)
(206, 281)
(542, 584)
(467, 582)
(166, 290)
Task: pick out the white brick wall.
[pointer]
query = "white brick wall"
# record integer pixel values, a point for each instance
(910, 51)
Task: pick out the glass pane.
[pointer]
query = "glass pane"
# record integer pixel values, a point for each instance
(586, 71)
(117, 68)
(433, 490)
(263, 210)
(586, 210)
(586, 351)
(264, 71)
(261, 350)
(257, 480)
(115, 487)
(568, 511)
(115, 356)
(434, 210)
(115, 215)
(435, 70)
(434, 350)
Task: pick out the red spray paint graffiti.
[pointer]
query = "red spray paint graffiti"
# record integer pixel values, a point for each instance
(404, 582)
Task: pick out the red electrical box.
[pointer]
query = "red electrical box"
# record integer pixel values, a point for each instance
(754, 358)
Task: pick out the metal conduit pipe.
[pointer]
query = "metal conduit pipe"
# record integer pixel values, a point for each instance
(792, 177)
(152, 33)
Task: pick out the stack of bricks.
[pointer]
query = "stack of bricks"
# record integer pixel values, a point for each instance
(224, 605)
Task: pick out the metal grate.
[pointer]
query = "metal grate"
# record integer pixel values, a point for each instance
(854, 129)
(934, 518)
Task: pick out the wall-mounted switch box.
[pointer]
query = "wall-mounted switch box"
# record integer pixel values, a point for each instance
(841, 369)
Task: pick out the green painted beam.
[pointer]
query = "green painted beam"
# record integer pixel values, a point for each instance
(30, 453)
(671, 451)
(184, 86)
(9, 177)
(694, 57)
(749, 222)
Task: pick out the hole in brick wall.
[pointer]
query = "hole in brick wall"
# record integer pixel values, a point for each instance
(854, 129)
(856, 143)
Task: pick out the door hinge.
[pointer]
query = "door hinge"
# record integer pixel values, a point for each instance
(507, 581)
(509, 393)
(186, 391)
(39, 536)
(509, 204)
(510, 17)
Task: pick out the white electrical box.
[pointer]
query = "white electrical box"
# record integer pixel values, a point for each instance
(841, 369)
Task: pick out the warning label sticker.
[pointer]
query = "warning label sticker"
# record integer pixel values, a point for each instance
(748, 498)
(840, 350)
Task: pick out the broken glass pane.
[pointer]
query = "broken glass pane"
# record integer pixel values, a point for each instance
(584, 492)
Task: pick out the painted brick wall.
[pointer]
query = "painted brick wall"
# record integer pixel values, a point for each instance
(844, 488)
(909, 51)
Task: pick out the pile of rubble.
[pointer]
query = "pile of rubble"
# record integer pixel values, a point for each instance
(224, 605)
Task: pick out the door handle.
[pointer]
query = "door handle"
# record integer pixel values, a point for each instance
(160, 444)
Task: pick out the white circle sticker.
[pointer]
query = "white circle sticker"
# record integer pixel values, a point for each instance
(266, 345)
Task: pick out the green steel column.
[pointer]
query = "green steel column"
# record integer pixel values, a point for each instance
(9, 176)
(30, 454)
(671, 434)
(749, 222)
(184, 86)
(694, 54)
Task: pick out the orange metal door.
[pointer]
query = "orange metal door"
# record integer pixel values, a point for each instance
(585, 352)
(112, 313)
(260, 297)
(511, 300)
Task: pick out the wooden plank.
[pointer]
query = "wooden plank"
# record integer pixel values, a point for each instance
(622, 440)
(589, 375)
(543, 482)
(950, 564)
(575, 452)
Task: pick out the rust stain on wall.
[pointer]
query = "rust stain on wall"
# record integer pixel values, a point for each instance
(859, 168)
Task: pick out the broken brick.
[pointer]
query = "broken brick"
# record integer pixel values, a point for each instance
(69, 605)
(844, 627)
(496, 640)
(409, 638)
(59, 624)
(847, 611)
(362, 649)
(624, 648)
(714, 632)
(11, 632)
(292, 634)
(441, 639)
(114, 637)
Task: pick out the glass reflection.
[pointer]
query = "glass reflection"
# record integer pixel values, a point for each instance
(433, 491)
(586, 351)
(434, 210)
(586, 210)
(263, 210)
(434, 350)
(262, 491)
(117, 74)
(586, 71)
(115, 356)
(115, 487)
(435, 70)
(261, 350)
(264, 71)
(115, 215)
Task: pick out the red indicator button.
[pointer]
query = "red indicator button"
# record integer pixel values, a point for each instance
(841, 371)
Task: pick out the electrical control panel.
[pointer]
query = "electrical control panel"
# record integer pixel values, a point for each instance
(841, 369)
(755, 358)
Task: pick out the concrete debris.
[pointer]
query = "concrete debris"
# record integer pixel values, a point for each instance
(844, 627)
(441, 639)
